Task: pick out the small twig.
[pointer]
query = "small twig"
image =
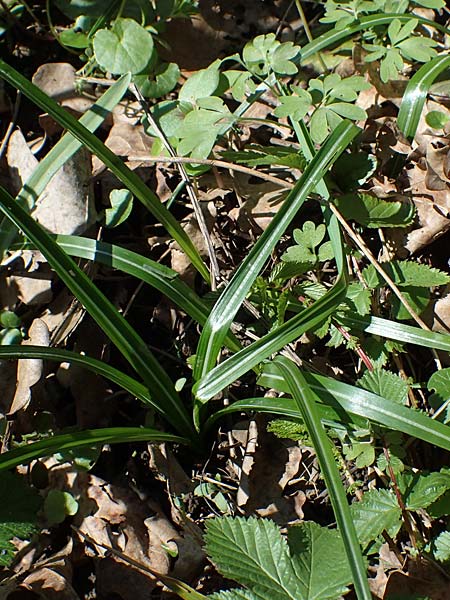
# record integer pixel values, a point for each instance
(211, 162)
(11, 125)
(215, 271)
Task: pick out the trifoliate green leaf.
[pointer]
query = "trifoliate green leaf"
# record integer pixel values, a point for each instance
(265, 53)
(391, 65)
(127, 47)
(420, 49)
(376, 512)
(296, 107)
(19, 504)
(201, 84)
(200, 128)
(386, 384)
(374, 212)
(240, 83)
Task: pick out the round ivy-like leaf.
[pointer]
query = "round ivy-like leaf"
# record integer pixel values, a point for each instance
(127, 47)
(9, 319)
(58, 505)
(436, 119)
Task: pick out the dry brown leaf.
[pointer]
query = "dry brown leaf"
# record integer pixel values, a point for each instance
(29, 371)
(33, 284)
(57, 80)
(67, 204)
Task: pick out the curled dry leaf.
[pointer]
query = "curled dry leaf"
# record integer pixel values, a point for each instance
(29, 371)
(58, 81)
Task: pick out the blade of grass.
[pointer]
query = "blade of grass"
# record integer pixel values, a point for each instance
(226, 307)
(164, 279)
(306, 405)
(68, 441)
(247, 358)
(58, 155)
(400, 332)
(126, 382)
(416, 94)
(357, 401)
(105, 314)
(128, 177)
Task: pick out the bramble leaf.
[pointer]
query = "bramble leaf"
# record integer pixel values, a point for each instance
(376, 512)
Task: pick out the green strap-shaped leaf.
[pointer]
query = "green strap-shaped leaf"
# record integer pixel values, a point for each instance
(416, 94)
(225, 309)
(59, 154)
(126, 382)
(68, 441)
(105, 314)
(128, 177)
(306, 405)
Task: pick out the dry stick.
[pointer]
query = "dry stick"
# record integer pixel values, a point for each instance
(211, 162)
(215, 272)
(11, 125)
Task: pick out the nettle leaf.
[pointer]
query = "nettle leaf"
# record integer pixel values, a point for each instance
(312, 547)
(422, 490)
(201, 84)
(253, 552)
(352, 170)
(358, 298)
(19, 504)
(373, 212)
(127, 47)
(406, 273)
(376, 512)
(121, 207)
(363, 453)
(295, 106)
(386, 384)
(440, 508)
(441, 547)
(440, 383)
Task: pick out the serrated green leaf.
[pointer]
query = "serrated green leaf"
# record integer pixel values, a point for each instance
(376, 512)
(358, 298)
(386, 384)
(441, 547)
(406, 273)
(312, 547)
(19, 504)
(127, 47)
(423, 490)
(363, 453)
(374, 212)
(237, 594)
(253, 552)
(121, 207)
(441, 507)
